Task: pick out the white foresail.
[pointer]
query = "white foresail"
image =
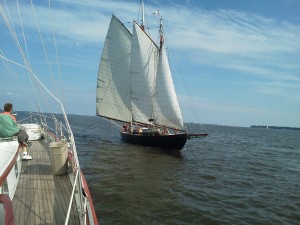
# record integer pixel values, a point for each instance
(143, 64)
(166, 107)
(113, 84)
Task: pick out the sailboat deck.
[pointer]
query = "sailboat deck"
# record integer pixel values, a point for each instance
(42, 198)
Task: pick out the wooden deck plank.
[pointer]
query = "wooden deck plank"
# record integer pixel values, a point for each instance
(42, 198)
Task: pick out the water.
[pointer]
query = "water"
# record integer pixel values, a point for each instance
(234, 176)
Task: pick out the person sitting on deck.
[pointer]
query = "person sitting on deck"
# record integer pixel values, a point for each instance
(166, 131)
(140, 130)
(125, 127)
(9, 128)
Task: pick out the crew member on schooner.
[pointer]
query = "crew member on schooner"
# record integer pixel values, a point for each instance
(9, 128)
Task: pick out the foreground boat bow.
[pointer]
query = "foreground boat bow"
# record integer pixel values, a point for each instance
(49, 187)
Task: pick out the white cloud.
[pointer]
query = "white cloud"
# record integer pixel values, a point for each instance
(288, 90)
(10, 93)
(212, 111)
(221, 38)
(245, 43)
(238, 41)
(231, 32)
(221, 31)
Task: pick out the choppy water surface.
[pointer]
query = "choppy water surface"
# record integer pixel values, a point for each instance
(234, 176)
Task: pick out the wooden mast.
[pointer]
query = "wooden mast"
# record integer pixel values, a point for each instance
(161, 41)
(143, 15)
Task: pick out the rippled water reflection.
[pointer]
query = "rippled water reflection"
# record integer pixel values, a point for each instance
(234, 176)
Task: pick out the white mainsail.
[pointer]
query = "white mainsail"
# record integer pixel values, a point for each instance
(134, 80)
(113, 84)
(143, 64)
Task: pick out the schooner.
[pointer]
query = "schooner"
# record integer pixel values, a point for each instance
(135, 87)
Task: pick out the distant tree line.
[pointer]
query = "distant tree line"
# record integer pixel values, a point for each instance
(276, 127)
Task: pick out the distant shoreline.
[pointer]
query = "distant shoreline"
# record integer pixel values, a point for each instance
(275, 127)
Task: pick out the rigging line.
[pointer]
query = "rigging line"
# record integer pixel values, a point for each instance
(193, 107)
(56, 52)
(8, 60)
(15, 37)
(72, 141)
(36, 78)
(28, 59)
(44, 48)
(9, 16)
(112, 122)
(147, 20)
(15, 77)
(29, 65)
(4, 58)
(25, 43)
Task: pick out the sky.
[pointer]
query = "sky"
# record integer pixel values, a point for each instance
(233, 62)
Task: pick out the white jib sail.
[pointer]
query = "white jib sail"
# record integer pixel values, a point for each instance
(166, 107)
(113, 84)
(144, 60)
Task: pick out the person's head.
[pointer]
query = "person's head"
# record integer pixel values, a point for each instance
(8, 107)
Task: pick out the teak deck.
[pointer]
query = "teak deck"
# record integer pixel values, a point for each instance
(42, 198)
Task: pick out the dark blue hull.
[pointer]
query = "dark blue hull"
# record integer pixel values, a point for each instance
(172, 141)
